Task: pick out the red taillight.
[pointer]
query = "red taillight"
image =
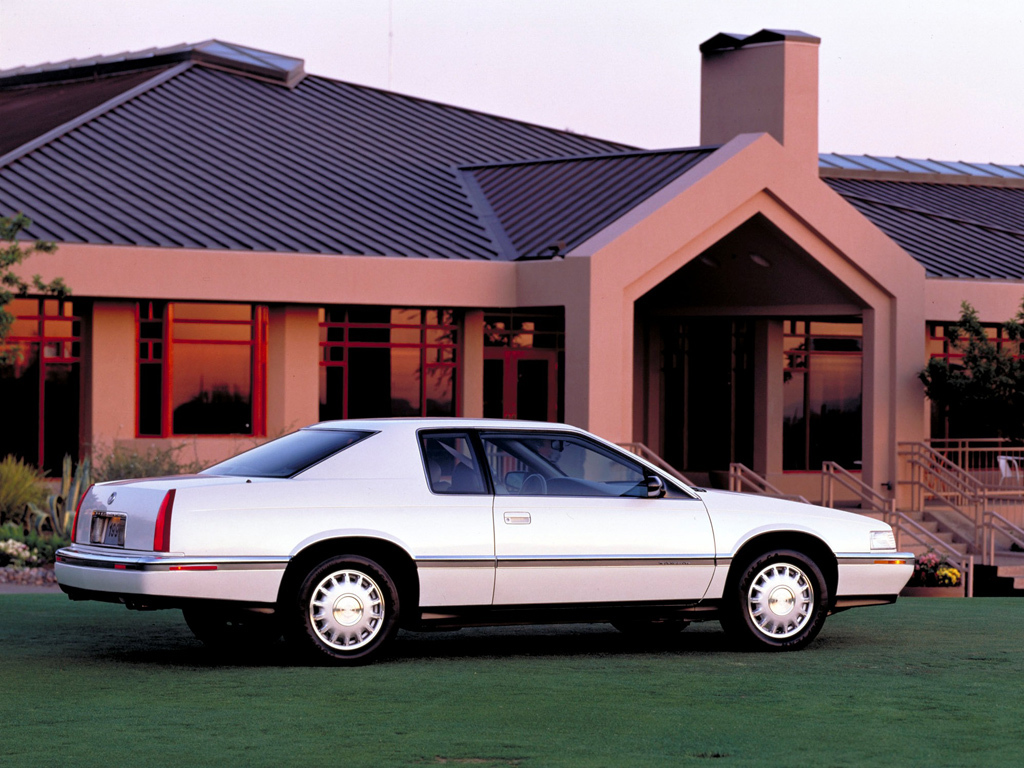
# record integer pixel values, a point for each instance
(78, 508)
(162, 534)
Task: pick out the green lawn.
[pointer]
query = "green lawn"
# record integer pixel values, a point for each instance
(923, 683)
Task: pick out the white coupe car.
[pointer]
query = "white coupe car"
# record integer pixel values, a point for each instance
(340, 533)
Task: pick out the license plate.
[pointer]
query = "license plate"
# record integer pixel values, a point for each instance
(107, 530)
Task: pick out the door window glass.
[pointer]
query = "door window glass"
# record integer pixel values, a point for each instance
(451, 464)
(554, 465)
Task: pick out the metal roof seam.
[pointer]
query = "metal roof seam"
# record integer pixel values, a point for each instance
(938, 215)
(427, 241)
(131, 123)
(88, 116)
(40, 212)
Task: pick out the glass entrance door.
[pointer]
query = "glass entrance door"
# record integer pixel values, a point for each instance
(521, 384)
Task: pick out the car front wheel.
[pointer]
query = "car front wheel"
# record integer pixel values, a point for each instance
(346, 611)
(780, 602)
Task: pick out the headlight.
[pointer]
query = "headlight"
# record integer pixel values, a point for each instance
(883, 540)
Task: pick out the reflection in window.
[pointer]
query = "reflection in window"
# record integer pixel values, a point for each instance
(538, 465)
(379, 361)
(822, 394)
(40, 381)
(202, 369)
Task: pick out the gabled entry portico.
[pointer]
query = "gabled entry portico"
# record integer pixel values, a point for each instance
(729, 252)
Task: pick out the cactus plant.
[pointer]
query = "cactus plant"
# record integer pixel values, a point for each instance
(59, 513)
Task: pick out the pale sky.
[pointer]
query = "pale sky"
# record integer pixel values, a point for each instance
(917, 78)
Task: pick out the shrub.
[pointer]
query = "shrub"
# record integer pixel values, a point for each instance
(123, 462)
(21, 485)
(58, 514)
(45, 546)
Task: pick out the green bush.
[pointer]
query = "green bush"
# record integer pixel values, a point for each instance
(44, 545)
(21, 485)
(124, 462)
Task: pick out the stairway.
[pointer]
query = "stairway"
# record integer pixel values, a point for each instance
(999, 580)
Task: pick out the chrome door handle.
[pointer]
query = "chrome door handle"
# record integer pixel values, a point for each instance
(517, 518)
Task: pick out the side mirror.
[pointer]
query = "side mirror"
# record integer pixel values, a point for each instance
(655, 487)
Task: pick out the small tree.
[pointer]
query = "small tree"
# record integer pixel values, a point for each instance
(13, 252)
(982, 395)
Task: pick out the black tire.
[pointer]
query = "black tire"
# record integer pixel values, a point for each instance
(650, 629)
(346, 611)
(232, 631)
(779, 602)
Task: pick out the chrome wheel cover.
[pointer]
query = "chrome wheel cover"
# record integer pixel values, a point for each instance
(780, 601)
(346, 610)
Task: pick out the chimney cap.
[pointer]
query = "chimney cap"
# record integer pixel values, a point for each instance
(725, 41)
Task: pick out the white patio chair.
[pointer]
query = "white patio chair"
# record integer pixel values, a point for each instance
(1009, 467)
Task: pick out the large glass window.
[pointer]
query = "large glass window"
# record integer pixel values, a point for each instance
(524, 364)
(202, 369)
(382, 361)
(40, 382)
(822, 394)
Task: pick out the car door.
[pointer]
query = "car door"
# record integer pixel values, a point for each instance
(573, 524)
(456, 559)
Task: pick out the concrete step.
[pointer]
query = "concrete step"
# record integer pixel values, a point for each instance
(989, 581)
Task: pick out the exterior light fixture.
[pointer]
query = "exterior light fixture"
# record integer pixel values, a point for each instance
(760, 260)
(709, 260)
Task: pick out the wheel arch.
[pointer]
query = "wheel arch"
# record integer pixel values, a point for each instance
(805, 543)
(394, 559)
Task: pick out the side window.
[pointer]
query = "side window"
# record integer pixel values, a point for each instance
(547, 465)
(450, 464)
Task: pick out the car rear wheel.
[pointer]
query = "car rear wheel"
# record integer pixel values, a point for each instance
(346, 611)
(779, 602)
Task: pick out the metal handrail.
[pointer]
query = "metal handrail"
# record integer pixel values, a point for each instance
(996, 523)
(641, 450)
(920, 535)
(960, 491)
(832, 473)
(741, 476)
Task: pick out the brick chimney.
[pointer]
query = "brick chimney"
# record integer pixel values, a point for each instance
(762, 83)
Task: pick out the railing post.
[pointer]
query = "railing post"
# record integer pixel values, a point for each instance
(970, 578)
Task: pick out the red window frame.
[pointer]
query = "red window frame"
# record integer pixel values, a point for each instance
(148, 353)
(452, 328)
(68, 348)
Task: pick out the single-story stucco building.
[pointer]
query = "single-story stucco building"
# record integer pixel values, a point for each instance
(253, 248)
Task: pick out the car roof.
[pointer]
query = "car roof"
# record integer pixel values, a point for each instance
(415, 423)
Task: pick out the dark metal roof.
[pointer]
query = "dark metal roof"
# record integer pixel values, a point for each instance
(548, 207)
(954, 230)
(203, 158)
(30, 111)
(272, 67)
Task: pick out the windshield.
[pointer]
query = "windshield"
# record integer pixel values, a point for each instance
(288, 455)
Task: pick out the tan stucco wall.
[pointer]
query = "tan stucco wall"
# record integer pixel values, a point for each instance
(293, 351)
(996, 301)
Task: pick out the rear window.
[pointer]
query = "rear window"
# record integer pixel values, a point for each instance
(288, 455)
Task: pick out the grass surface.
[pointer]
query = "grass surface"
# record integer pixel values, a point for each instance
(924, 682)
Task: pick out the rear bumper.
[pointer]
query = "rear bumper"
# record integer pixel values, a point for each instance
(144, 579)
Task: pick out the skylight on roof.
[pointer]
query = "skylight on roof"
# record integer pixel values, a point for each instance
(263, 64)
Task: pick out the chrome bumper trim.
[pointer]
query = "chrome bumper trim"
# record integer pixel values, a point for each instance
(168, 563)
